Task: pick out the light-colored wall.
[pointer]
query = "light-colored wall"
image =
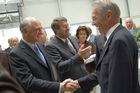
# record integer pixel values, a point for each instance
(133, 8)
(43, 10)
(76, 11)
(135, 11)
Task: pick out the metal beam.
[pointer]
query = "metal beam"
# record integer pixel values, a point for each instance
(59, 7)
(8, 12)
(128, 9)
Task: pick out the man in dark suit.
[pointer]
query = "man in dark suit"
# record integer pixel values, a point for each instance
(117, 63)
(13, 41)
(31, 65)
(65, 53)
(10, 45)
(7, 83)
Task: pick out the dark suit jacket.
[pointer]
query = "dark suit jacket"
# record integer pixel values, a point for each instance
(8, 49)
(67, 63)
(7, 83)
(116, 65)
(30, 71)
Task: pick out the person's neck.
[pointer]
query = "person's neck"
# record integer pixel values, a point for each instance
(111, 24)
(81, 42)
(29, 41)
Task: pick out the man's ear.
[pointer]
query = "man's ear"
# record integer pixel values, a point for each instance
(109, 14)
(24, 31)
(56, 31)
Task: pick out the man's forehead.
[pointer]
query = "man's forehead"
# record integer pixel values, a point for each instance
(95, 11)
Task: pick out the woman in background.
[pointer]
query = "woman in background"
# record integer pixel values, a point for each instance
(82, 34)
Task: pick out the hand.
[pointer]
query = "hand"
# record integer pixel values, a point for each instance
(84, 52)
(76, 82)
(69, 86)
(85, 61)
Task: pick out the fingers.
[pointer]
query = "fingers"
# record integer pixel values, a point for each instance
(69, 86)
(84, 52)
(82, 46)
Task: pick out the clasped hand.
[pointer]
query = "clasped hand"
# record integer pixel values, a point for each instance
(69, 86)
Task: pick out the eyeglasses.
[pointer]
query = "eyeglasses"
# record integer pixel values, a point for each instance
(94, 18)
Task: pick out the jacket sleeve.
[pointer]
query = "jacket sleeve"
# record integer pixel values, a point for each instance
(120, 68)
(88, 82)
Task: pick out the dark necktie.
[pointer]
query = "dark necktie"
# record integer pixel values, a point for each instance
(40, 55)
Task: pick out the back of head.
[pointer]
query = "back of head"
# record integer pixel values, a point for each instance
(89, 30)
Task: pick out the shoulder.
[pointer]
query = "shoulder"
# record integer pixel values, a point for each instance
(73, 38)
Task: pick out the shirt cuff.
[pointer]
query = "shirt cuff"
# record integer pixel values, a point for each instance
(59, 88)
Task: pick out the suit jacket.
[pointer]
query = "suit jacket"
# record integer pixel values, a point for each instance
(7, 83)
(30, 71)
(8, 49)
(116, 65)
(67, 63)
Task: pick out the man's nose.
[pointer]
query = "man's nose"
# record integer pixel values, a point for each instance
(93, 23)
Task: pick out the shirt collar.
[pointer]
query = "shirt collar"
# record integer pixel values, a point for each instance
(64, 40)
(111, 30)
(29, 44)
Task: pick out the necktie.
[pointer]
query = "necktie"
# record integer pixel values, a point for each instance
(40, 55)
(70, 46)
(105, 40)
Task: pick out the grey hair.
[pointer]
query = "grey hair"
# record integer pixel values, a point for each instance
(55, 24)
(105, 6)
(24, 25)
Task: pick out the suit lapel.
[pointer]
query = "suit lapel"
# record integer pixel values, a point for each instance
(62, 44)
(31, 53)
(47, 57)
(42, 49)
(74, 42)
(107, 45)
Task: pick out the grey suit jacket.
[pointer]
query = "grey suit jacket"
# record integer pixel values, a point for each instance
(30, 71)
(67, 63)
(116, 66)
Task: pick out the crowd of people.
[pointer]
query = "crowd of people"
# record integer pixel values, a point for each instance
(73, 64)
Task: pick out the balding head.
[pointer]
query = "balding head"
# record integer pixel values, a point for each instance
(31, 29)
(129, 23)
(25, 24)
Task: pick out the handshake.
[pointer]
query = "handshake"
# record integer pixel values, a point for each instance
(69, 86)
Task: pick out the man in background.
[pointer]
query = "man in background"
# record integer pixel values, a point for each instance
(13, 41)
(44, 39)
(10, 45)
